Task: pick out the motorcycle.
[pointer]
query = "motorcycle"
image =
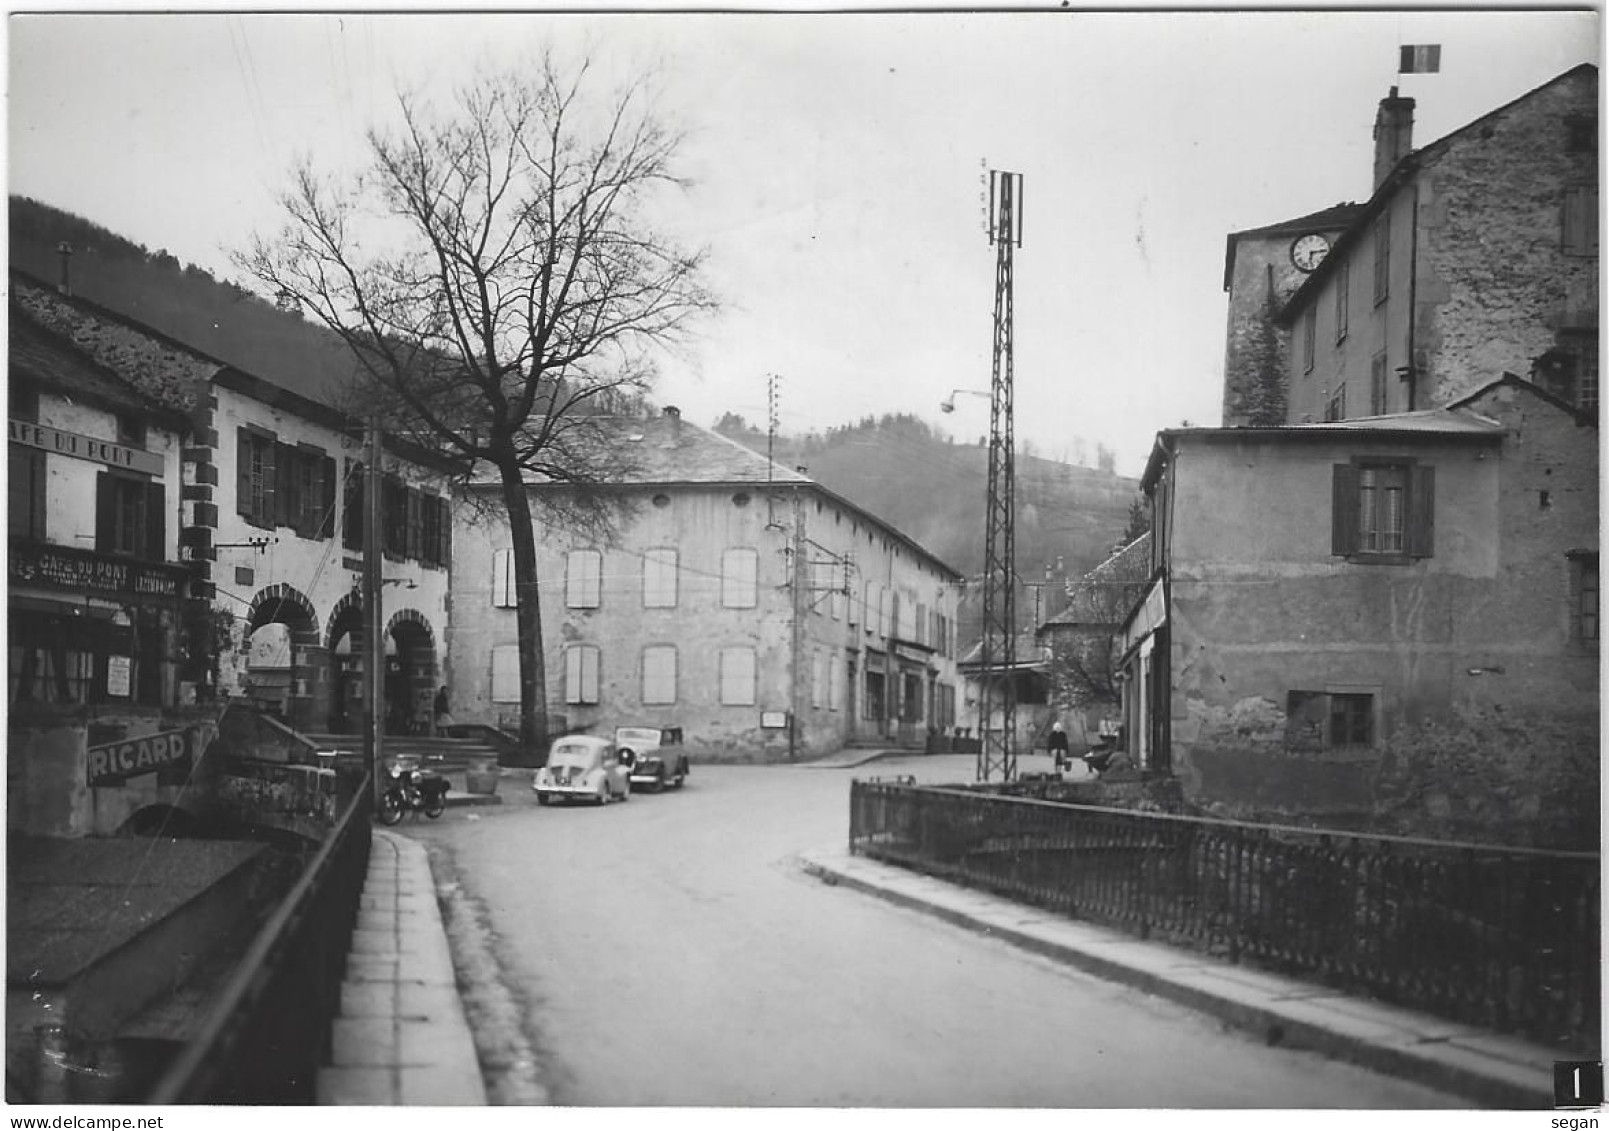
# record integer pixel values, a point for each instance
(409, 790)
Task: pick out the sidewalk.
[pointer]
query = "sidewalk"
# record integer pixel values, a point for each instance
(402, 1037)
(1463, 1060)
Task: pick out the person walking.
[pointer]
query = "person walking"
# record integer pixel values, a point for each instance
(1058, 744)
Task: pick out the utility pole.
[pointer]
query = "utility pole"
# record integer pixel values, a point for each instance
(373, 627)
(998, 750)
(801, 605)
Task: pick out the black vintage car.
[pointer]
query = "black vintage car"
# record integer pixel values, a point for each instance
(654, 755)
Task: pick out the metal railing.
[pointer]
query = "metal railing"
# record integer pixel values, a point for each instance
(1506, 938)
(264, 1039)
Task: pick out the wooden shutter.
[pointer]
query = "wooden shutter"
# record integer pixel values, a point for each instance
(414, 517)
(243, 443)
(506, 673)
(326, 499)
(659, 673)
(156, 521)
(1419, 524)
(105, 512)
(1344, 510)
(443, 549)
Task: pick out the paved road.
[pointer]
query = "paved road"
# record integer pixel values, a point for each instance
(670, 953)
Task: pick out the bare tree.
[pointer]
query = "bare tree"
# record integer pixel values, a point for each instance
(494, 269)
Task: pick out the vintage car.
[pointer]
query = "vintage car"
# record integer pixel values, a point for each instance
(653, 755)
(582, 766)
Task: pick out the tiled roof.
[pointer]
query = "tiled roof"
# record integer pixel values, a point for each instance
(172, 374)
(50, 360)
(1101, 596)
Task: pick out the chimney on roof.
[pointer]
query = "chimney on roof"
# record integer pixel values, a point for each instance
(65, 283)
(1393, 134)
(674, 415)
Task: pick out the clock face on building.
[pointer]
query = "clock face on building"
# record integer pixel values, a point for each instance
(1308, 251)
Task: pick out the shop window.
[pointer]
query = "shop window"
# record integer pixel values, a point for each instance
(737, 677)
(26, 492)
(740, 572)
(130, 516)
(583, 579)
(659, 674)
(582, 665)
(1383, 511)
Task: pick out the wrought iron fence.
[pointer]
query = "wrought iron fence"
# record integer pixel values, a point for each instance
(266, 1036)
(1506, 938)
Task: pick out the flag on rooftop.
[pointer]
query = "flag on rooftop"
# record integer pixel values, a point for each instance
(1420, 59)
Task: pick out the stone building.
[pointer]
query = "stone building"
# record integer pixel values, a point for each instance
(1395, 623)
(1475, 255)
(742, 601)
(269, 528)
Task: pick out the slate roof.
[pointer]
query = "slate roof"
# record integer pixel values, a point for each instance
(51, 361)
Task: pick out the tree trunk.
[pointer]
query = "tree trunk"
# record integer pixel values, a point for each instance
(528, 615)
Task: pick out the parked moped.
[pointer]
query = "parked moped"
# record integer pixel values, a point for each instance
(410, 790)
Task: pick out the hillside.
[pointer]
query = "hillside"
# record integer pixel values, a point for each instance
(933, 489)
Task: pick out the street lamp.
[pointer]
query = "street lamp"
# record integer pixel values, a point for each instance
(948, 403)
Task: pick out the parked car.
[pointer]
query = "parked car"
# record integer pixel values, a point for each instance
(653, 755)
(582, 766)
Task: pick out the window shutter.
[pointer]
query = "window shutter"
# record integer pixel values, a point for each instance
(1344, 510)
(156, 521)
(506, 673)
(1419, 527)
(659, 674)
(414, 517)
(352, 506)
(243, 443)
(591, 664)
(105, 512)
(502, 579)
(326, 499)
(444, 532)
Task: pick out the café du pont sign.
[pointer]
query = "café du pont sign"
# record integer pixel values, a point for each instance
(50, 439)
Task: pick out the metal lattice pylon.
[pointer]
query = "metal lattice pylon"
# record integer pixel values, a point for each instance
(997, 701)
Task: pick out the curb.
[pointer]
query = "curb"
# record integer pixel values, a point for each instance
(1503, 1073)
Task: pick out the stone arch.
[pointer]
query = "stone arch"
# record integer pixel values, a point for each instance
(345, 642)
(412, 672)
(306, 697)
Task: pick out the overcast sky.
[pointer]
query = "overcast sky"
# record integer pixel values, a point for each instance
(838, 164)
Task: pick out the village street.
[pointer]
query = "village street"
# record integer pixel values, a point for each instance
(669, 951)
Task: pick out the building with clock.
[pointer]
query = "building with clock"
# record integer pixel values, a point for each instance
(1263, 267)
(1475, 256)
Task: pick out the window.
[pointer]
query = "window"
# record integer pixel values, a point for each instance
(1581, 133)
(659, 579)
(1319, 720)
(1584, 598)
(740, 572)
(1580, 236)
(581, 666)
(23, 402)
(737, 677)
(835, 683)
(435, 530)
(1570, 369)
(130, 430)
(659, 674)
(1336, 408)
(130, 516)
(1382, 258)
(583, 579)
(506, 673)
(504, 593)
(818, 679)
(1383, 511)
(1377, 385)
(256, 479)
(1343, 294)
(1309, 338)
(27, 492)
(394, 517)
